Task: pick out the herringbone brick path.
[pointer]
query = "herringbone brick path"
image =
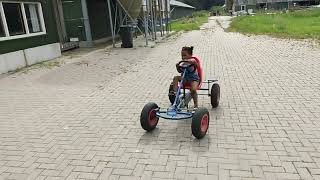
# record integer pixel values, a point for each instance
(81, 120)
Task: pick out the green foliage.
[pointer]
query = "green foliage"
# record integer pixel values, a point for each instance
(219, 9)
(190, 23)
(298, 24)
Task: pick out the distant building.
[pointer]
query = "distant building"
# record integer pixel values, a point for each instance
(180, 9)
(245, 5)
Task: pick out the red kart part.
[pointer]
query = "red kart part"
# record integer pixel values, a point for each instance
(186, 85)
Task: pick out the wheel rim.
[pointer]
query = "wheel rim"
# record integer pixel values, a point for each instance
(153, 120)
(204, 124)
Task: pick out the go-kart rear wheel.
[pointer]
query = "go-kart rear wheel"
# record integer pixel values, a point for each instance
(148, 118)
(200, 123)
(215, 95)
(171, 96)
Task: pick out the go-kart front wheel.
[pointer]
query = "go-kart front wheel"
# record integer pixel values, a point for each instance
(148, 118)
(200, 123)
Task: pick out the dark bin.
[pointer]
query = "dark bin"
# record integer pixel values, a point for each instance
(126, 33)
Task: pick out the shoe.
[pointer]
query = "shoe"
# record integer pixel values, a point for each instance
(172, 93)
(194, 110)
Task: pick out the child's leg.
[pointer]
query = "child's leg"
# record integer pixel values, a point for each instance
(193, 89)
(176, 80)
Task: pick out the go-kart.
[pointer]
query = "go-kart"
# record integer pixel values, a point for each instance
(179, 109)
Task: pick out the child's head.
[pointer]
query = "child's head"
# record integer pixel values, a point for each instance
(187, 52)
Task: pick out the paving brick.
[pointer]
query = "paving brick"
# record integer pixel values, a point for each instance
(273, 169)
(240, 173)
(191, 170)
(48, 172)
(287, 176)
(125, 172)
(129, 178)
(84, 175)
(165, 175)
(106, 172)
(213, 168)
(305, 173)
(289, 167)
(18, 176)
(83, 169)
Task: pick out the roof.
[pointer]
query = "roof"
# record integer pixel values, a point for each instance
(180, 4)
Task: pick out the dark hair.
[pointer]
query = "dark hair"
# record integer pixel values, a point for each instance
(188, 49)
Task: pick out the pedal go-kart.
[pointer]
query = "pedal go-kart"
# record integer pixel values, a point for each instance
(179, 109)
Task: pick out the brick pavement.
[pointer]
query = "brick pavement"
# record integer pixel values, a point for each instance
(81, 120)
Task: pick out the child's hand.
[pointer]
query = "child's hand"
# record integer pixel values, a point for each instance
(178, 68)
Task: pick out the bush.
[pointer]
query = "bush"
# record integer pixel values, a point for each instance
(200, 14)
(218, 9)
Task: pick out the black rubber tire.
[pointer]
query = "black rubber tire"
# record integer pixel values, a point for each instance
(145, 117)
(171, 97)
(196, 123)
(215, 95)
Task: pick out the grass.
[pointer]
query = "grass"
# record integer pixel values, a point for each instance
(192, 22)
(46, 64)
(299, 24)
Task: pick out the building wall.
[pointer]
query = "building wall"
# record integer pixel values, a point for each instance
(276, 5)
(180, 12)
(248, 6)
(99, 19)
(279, 5)
(72, 12)
(29, 42)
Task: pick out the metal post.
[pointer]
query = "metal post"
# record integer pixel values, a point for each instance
(115, 19)
(111, 25)
(155, 19)
(161, 16)
(166, 12)
(86, 23)
(151, 17)
(160, 19)
(145, 12)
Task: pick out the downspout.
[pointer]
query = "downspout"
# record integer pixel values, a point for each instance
(86, 22)
(111, 25)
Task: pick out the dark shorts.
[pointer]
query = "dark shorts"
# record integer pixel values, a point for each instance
(189, 77)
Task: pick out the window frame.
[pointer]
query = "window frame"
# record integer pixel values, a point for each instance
(24, 20)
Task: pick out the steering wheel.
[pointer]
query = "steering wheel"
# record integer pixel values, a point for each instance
(181, 68)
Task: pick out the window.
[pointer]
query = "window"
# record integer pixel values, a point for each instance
(243, 7)
(33, 19)
(14, 18)
(20, 20)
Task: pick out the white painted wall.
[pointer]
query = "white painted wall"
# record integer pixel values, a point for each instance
(18, 59)
(42, 53)
(12, 61)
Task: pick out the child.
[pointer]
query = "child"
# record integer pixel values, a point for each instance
(192, 78)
